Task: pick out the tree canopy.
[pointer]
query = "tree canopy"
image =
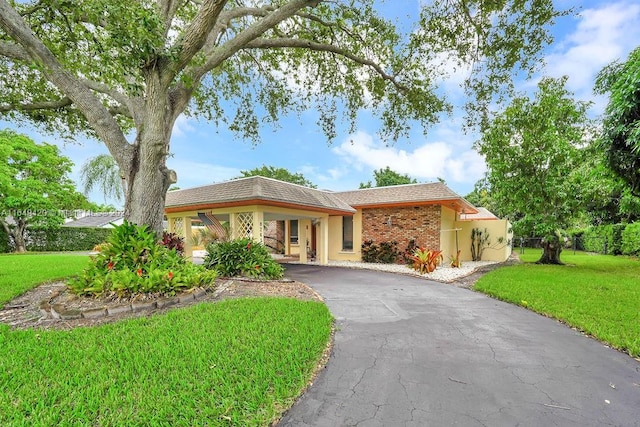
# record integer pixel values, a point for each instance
(281, 174)
(34, 186)
(113, 68)
(386, 177)
(531, 149)
(621, 126)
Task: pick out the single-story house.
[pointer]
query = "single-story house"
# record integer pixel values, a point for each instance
(333, 225)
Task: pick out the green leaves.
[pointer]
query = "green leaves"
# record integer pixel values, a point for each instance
(134, 261)
(242, 257)
(531, 149)
(621, 136)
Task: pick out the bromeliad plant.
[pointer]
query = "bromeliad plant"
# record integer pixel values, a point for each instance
(133, 260)
(242, 257)
(426, 261)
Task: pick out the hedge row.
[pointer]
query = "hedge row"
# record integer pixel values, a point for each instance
(612, 239)
(61, 239)
(66, 238)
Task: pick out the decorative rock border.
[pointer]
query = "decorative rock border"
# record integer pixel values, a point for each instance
(51, 310)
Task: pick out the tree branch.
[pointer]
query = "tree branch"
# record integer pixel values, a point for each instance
(43, 105)
(231, 47)
(194, 37)
(13, 51)
(91, 107)
(320, 47)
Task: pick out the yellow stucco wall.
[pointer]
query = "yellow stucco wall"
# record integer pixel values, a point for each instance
(495, 251)
(335, 238)
(447, 235)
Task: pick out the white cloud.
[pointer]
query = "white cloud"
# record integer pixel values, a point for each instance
(428, 161)
(193, 174)
(182, 126)
(602, 35)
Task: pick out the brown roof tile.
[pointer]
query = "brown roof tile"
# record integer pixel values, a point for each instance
(257, 188)
(405, 194)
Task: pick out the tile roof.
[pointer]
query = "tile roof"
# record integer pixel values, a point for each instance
(253, 189)
(405, 194)
(96, 219)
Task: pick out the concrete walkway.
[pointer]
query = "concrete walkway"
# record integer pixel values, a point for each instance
(411, 352)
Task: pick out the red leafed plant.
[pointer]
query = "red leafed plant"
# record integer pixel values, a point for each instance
(426, 261)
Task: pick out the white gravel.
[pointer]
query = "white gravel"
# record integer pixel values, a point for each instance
(444, 273)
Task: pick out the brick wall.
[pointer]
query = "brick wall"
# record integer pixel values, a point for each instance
(419, 223)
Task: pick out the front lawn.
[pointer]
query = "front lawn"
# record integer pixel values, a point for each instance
(21, 272)
(239, 362)
(598, 294)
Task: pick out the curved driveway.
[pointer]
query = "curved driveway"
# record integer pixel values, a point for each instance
(411, 352)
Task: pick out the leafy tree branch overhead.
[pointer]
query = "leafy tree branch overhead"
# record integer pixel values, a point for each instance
(114, 68)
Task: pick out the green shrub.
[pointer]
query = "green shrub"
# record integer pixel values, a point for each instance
(385, 253)
(631, 239)
(134, 261)
(242, 257)
(604, 239)
(65, 238)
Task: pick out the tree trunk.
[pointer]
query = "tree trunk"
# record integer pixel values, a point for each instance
(17, 234)
(551, 248)
(148, 184)
(149, 179)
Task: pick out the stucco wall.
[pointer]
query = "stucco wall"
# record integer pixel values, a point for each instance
(497, 229)
(403, 224)
(335, 239)
(448, 234)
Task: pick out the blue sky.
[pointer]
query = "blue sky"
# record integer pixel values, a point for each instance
(202, 154)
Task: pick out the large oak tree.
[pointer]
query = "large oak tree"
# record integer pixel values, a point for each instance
(125, 70)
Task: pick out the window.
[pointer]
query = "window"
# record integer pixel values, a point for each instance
(293, 231)
(347, 233)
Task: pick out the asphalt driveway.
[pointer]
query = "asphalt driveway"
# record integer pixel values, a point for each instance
(410, 352)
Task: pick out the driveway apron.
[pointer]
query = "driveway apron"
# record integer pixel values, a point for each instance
(412, 352)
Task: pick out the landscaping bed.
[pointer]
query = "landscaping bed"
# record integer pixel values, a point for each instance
(53, 306)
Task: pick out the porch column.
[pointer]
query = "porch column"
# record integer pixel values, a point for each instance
(304, 235)
(323, 241)
(257, 231)
(232, 226)
(181, 225)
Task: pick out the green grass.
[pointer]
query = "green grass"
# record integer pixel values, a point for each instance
(233, 363)
(598, 294)
(19, 273)
(238, 362)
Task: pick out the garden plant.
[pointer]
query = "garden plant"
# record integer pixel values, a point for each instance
(242, 257)
(135, 260)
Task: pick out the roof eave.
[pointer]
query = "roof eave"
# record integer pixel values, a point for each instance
(264, 202)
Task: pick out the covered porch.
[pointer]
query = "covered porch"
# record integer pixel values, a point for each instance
(248, 205)
(305, 233)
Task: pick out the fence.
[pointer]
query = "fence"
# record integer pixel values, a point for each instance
(597, 244)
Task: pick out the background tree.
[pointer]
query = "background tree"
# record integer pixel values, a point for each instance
(102, 172)
(605, 197)
(281, 174)
(621, 126)
(530, 149)
(116, 68)
(386, 177)
(34, 186)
